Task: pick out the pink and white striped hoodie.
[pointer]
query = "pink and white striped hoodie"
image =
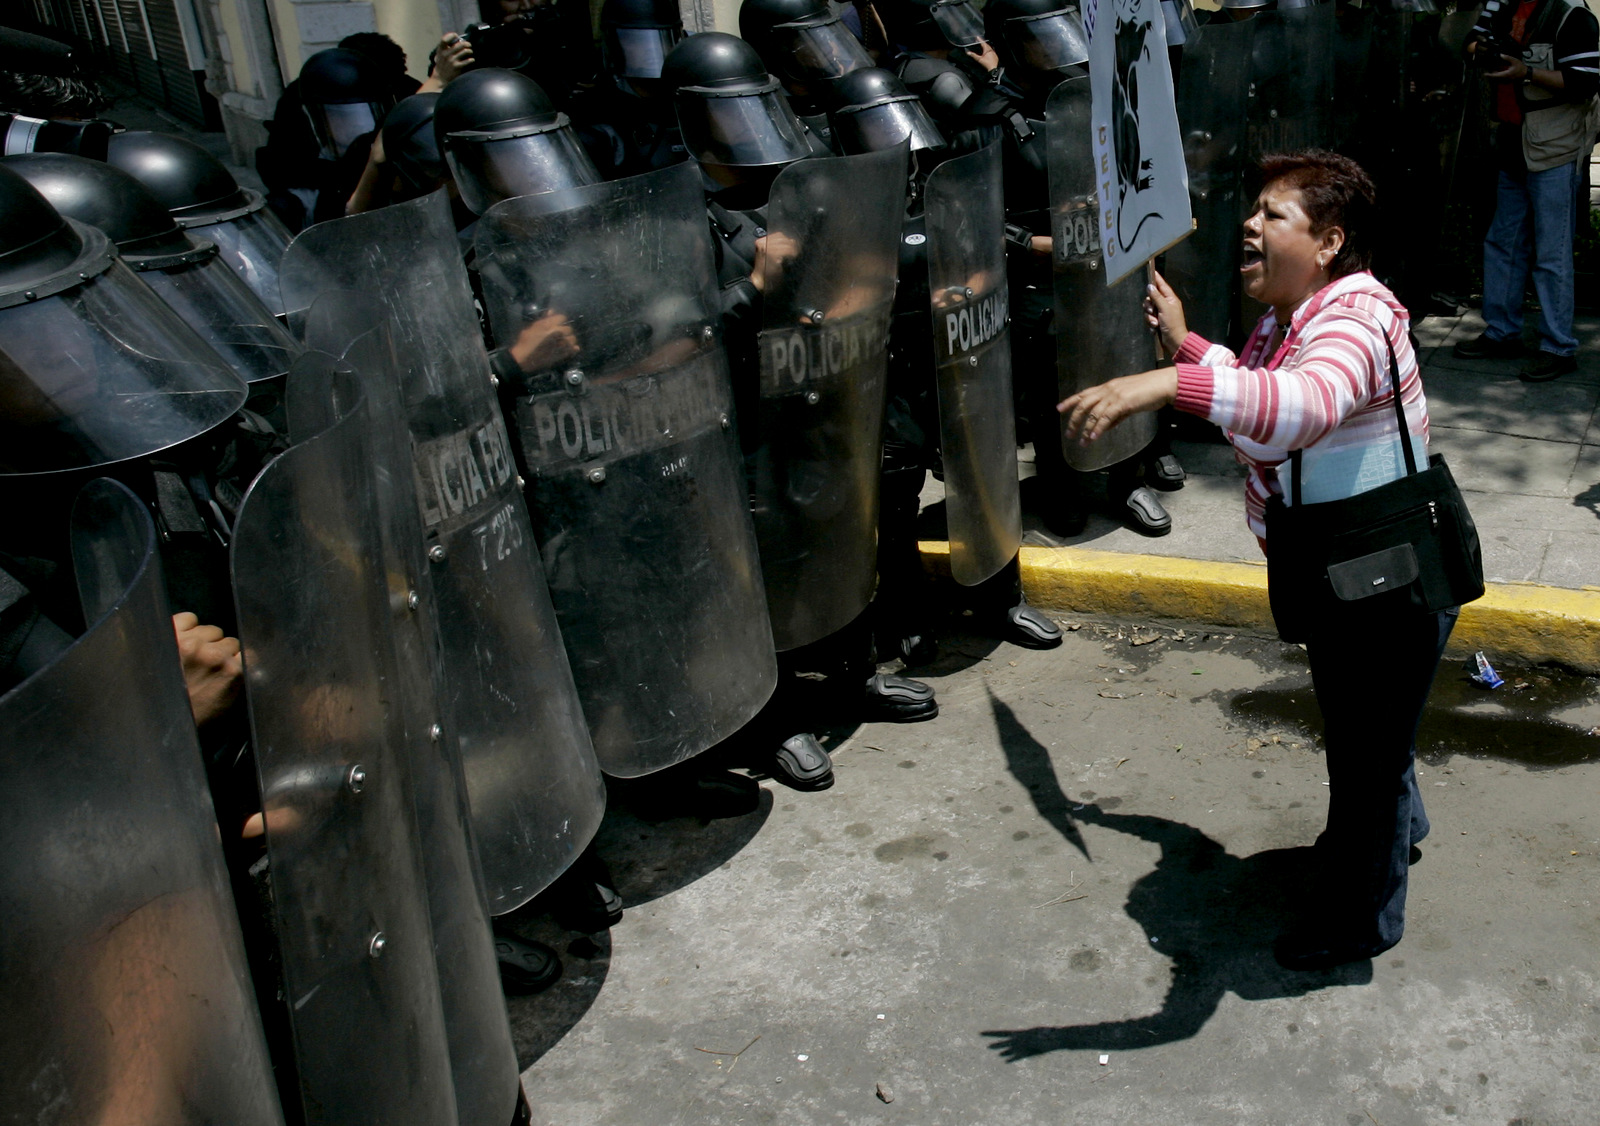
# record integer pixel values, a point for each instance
(1325, 390)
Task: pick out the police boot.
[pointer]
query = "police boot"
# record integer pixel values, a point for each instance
(525, 967)
(585, 898)
(801, 764)
(1029, 628)
(897, 699)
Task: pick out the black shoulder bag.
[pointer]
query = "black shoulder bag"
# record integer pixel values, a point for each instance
(1409, 545)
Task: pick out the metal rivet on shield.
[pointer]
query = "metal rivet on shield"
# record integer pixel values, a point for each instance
(412, 601)
(1205, 136)
(813, 398)
(707, 333)
(574, 378)
(437, 552)
(597, 475)
(375, 947)
(1272, 113)
(816, 316)
(356, 779)
(1094, 263)
(31, 295)
(521, 484)
(967, 290)
(726, 422)
(972, 360)
(436, 733)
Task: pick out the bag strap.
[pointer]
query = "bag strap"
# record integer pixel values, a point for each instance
(1400, 416)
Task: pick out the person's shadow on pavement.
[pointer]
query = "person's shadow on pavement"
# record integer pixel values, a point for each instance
(1214, 914)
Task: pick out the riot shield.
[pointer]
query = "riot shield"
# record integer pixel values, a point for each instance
(1291, 80)
(965, 213)
(1213, 93)
(606, 305)
(348, 890)
(1100, 330)
(483, 1059)
(833, 231)
(125, 994)
(533, 783)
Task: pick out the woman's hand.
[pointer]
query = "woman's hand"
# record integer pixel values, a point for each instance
(1164, 310)
(1095, 410)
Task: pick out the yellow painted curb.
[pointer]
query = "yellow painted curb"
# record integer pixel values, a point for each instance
(1516, 621)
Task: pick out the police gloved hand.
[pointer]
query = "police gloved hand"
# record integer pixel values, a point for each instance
(212, 670)
(544, 343)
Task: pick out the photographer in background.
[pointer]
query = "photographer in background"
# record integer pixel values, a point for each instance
(1543, 57)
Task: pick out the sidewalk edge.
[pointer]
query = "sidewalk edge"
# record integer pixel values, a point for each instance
(1512, 621)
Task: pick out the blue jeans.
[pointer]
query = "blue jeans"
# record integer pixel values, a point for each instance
(1372, 672)
(1533, 213)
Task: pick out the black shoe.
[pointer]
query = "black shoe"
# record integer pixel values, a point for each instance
(1485, 347)
(525, 967)
(585, 899)
(1145, 513)
(1063, 519)
(801, 764)
(708, 795)
(1027, 627)
(1166, 473)
(1323, 950)
(897, 699)
(1547, 366)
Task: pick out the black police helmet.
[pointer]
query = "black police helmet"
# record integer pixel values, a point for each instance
(715, 60)
(36, 243)
(869, 86)
(410, 143)
(490, 101)
(757, 18)
(105, 197)
(339, 75)
(189, 181)
(640, 13)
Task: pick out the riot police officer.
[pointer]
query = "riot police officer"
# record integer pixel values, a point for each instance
(183, 269)
(742, 131)
(807, 47)
(1041, 42)
(203, 196)
(877, 112)
(626, 119)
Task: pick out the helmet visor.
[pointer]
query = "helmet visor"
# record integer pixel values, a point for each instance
(213, 300)
(102, 373)
(747, 130)
(253, 245)
(820, 51)
(641, 51)
(490, 171)
(959, 22)
(340, 124)
(1049, 42)
(883, 126)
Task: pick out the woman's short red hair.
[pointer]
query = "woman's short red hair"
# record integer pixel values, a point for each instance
(1335, 192)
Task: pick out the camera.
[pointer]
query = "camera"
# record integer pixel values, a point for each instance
(512, 44)
(1487, 54)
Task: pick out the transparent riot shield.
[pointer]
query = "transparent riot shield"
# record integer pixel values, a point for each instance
(965, 213)
(252, 243)
(1291, 80)
(483, 1059)
(1213, 93)
(832, 255)
(125, 994)
(1100, 330)
(605, 304)
(348, 891)
(533, 782)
